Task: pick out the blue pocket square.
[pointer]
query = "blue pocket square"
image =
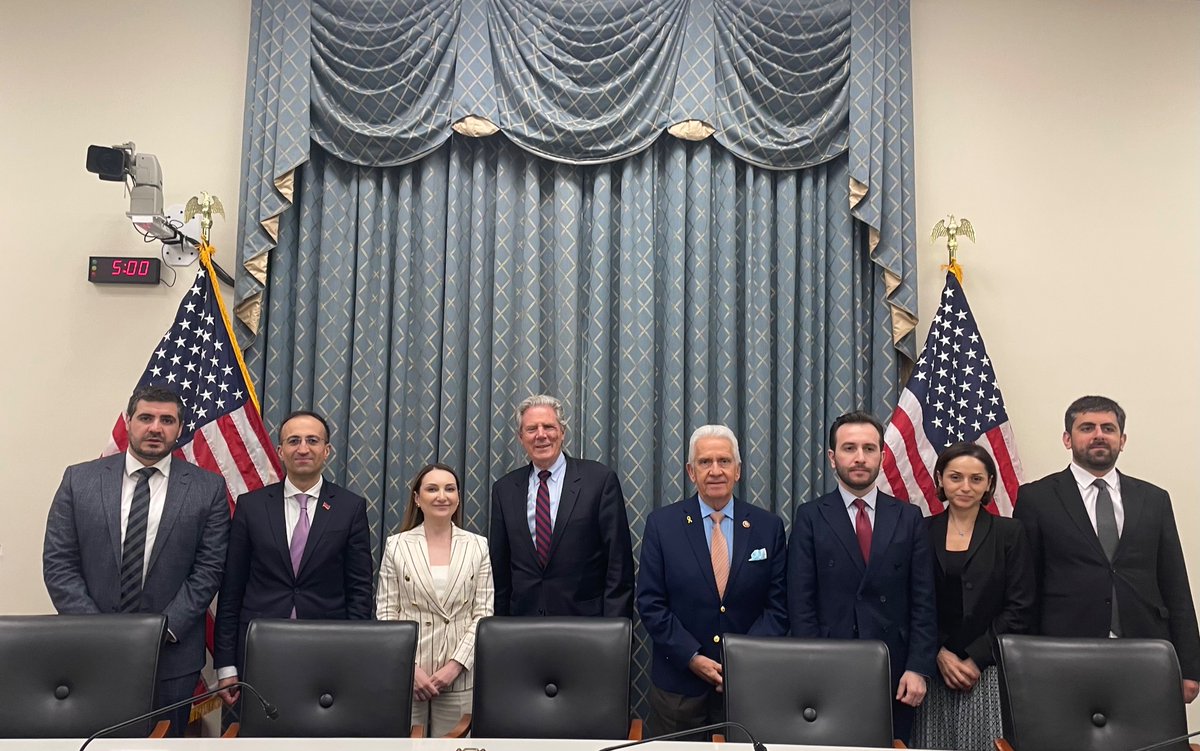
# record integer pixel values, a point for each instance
(758, 555)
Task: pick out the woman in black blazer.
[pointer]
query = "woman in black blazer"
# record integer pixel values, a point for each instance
(985, 586)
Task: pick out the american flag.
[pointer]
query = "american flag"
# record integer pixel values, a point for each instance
(951, 396)
(199, 359)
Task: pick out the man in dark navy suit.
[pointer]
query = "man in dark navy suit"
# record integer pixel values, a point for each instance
(860, 566)
(297, 549)
(712, 565)
(559, 533)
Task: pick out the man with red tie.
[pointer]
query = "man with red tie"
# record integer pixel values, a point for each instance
(559, 534)
(297, 549)
(860, 566)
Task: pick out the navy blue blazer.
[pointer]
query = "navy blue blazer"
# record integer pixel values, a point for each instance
(833, 594)
(335, 580)
(677, 592)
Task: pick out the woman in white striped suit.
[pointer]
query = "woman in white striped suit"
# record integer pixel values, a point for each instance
(439, 575)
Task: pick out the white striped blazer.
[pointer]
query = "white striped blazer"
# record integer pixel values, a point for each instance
(446, 623)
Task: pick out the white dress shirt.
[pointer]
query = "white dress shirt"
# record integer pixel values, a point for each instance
(1089, 492)
(158, 498)
(869, 498)
(291, 505)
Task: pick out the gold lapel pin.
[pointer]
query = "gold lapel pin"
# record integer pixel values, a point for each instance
(689, 519)
(746, 523)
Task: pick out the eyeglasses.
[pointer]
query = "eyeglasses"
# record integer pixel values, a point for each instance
(311, 441)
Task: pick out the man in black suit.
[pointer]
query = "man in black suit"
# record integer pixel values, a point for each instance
(1106, 550)
(860, 566)
(297, 549)
(559, 534)
(143, 532)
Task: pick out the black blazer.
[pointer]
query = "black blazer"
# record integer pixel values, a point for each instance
(1075, 580)
(997, 585)
(590, 571)
(335, 580)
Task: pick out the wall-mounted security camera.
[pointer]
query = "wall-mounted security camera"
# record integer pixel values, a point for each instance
(116, 163)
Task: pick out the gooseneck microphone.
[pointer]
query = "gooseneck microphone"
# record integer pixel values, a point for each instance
(1167, 742)
(268, 709)
(682, 733)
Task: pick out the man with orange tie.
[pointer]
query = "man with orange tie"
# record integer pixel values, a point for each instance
(297, 549)
(711, 565)
(860, 566)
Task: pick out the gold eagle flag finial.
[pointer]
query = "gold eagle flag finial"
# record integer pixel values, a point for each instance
(950, 228)
(205, 204)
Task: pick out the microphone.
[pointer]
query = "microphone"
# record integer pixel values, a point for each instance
(1167, 742)
(268, 709)
(702, 729)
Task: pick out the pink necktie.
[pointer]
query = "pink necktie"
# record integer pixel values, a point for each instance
(299, 537)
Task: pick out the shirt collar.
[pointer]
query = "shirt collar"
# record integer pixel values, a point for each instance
(133, 465)
(1084, 478)
(869, 497)
(556, 469)
(290, 490)
(706, 511)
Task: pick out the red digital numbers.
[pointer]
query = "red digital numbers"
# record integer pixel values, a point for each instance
(130, 267)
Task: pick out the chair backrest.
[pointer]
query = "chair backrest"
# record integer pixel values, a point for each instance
(552, 678)
(1089, 694)
(818, 692)
(68, 676)
(330, 678)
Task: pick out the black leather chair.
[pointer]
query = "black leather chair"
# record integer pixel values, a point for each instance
(330, 679)
(68, 676)
(1088, 694)
(553, 678)
(817, 692)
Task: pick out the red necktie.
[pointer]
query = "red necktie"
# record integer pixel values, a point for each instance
(862, 528)
(541, 525)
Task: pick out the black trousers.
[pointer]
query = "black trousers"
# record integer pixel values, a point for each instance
(672, 713)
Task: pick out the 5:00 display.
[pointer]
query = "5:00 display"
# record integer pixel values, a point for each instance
(123, 270)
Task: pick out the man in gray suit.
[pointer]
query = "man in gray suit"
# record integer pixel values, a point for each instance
(142, 532)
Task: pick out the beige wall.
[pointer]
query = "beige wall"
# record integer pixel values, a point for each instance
(169, 75)
(1067, 131)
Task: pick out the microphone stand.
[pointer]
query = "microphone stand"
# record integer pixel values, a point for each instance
(268, 709)
(682, 733)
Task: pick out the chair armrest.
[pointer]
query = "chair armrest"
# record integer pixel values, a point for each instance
(232, 730)
(1003, 745)
(897, 743)
(461, 729)
(635, 730)
(718, 738)
(160, 729)
(418, 731)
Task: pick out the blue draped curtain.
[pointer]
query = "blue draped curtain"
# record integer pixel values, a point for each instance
(448, 205)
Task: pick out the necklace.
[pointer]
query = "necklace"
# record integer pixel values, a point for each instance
(959, 530)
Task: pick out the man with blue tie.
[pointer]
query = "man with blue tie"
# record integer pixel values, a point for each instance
(711, 565)
(297, 549)
(860, 566)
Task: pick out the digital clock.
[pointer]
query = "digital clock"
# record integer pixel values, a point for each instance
(123, 270)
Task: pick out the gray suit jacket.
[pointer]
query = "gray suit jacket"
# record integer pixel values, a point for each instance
(81, 557)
